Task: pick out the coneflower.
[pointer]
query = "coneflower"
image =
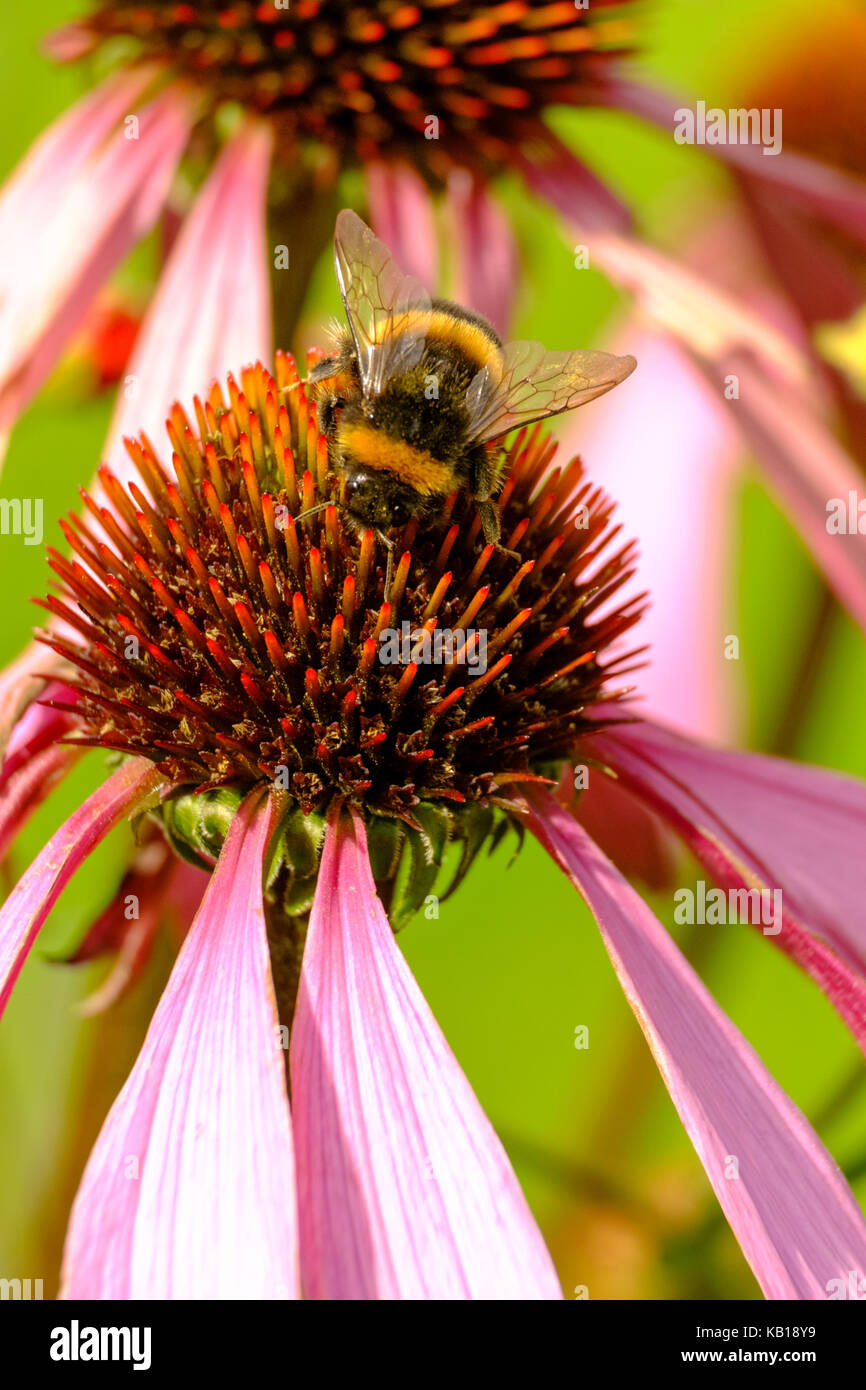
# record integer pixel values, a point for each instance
(230, 654)
(230, 646)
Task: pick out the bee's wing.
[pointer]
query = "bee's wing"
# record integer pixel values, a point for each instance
(388, 311)
(531, 384)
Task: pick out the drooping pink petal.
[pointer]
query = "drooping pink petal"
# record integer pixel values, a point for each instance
(183, 896)
(404, 1190)
(819, 270)
(62, 153)
(156, 886)
(154, 876)
(83, 197)
(687, 452)
(41, 724)
(809, 471)
(24, 790)
(402, 215)
(22, 682)
(709, 321)
(838, 197)
(189, 1191)
(630, 834)
(556, 174)
(69, 43)
(757, 821)
(485, 252)
(36, 892)
(774, 382)
(211, 313)
(787, 1202)
(132, 956)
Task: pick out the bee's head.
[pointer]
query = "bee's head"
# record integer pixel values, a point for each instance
(376, 498)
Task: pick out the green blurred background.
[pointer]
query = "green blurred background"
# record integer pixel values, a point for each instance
(514, 964)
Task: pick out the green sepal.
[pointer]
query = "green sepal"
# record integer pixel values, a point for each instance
(296, 847)
(197, 823)
(426, 849)
(472, 824)
(385, 841)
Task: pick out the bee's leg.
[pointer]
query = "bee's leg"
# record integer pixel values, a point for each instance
(491, 528)
(489, 520)
(324, 370)
(328, 408)
(486, 469)
(389, 566)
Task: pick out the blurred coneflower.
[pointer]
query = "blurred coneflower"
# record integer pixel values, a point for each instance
(230, 656)
(807, 274)
(792, 247)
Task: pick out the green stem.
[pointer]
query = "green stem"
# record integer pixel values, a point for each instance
(801, 688)
(301, 218)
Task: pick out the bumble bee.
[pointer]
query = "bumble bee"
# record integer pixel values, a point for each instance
(419, 390)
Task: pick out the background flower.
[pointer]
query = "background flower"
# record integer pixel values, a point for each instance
(626, 1213)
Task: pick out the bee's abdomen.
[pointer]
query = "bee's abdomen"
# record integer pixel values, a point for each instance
(371, 447)
(450, 329)
(467, 333)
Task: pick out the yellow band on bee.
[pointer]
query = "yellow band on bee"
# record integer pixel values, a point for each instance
(441, 327)
(415, 467)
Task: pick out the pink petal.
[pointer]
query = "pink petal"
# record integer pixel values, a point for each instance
(25, 790)
(835, 195)
(35, 894)
(402, 215)
(759, 821)
(21, 683)
(148, 875)
(168, 889)
(806, 466)
(822, 280)
(63, 152)
(132, 956)
(562, 180)
(639, 844)
(789, 1206)
(39, 726)
(807, 469)
(69, 43)
(688, 453)
(184, 895)
(404, 1190)
(165, 888)
(189, 1191)
(83, 197)
(484, 250)
(709, 321)
(211, 313)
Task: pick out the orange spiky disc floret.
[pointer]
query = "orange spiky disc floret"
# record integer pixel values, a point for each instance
(230, 644)
(367, 77)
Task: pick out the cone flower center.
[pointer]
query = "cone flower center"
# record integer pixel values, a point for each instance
(372, 75)
(232, 644)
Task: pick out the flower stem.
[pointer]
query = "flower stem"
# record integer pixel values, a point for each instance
(801, 688)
